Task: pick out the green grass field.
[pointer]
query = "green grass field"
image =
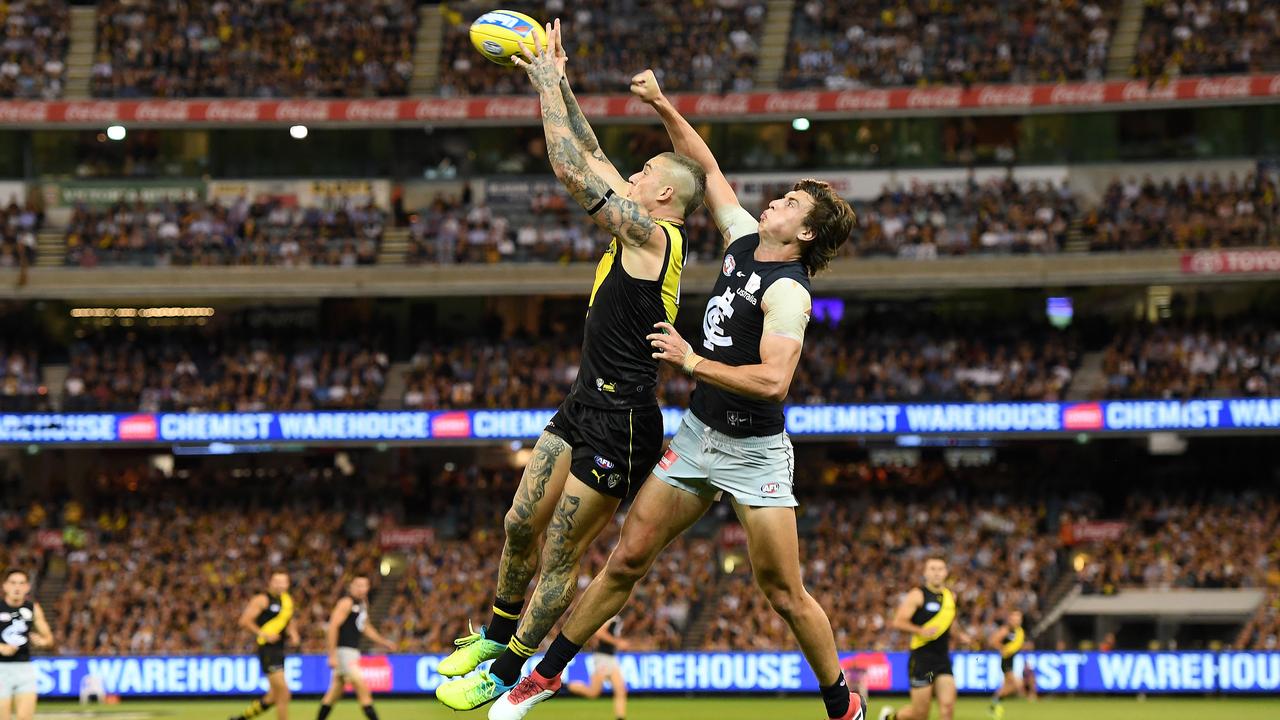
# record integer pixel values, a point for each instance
(735, 708)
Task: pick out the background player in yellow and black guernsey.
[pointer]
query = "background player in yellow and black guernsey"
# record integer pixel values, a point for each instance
(269, 617)
(348, 624)
(733, 439)
(599, 446)
(22, 626)
(928, 614)
(1008, 640)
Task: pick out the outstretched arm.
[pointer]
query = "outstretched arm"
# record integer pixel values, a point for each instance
(626, 219)
(582, 132)
(721, 200)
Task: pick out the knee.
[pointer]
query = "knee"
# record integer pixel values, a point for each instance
(520, 532)
(627, 565)
(784, 597)
(946, 709)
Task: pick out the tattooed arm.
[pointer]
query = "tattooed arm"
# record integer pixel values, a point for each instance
(582, 132)
(626, 219)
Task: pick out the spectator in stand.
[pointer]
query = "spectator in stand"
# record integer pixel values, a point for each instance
(1189, 213)
(1210, 37)
(1189, 361)
(34, 49)
(841, 46)
(263, 232)
(707, 46)
(254, 48)
(233, 373)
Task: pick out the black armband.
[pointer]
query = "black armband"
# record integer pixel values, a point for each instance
(596, 208)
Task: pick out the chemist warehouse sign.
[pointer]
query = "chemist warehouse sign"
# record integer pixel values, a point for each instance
(832, 420)
(1123, 672)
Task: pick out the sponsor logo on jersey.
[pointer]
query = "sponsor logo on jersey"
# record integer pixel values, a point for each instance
(933, 607)
(668, 459)
(729, 265)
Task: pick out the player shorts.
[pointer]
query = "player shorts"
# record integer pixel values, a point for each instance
(603, 663)
(17, 678)
(755, 471)
(271, 657)
(613, 450)
(1006, 664)
(348, 661)
(922, 670)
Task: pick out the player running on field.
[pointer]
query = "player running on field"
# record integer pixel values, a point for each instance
(22, 626)
(732, 440)
(608, 432)
(928, 613)
(348, 623)
(1008, 640)
(269, 616)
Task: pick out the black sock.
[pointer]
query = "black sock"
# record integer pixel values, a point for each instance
(369, 712)
(325, 709)
(836, 698)
(558, 656)
(507, 667)
(503, 621)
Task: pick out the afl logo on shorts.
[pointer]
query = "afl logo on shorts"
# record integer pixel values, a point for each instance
(729, 265)
(603, 463)
(769, 488)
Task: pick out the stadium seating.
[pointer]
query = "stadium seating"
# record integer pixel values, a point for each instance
(1184, 361)
(239, 48)
(1207, 38)
(707, 46)
(870, 44)
(33, 52)
(238, 233)
(207, 537)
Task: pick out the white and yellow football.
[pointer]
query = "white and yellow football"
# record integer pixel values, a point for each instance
(497, 35)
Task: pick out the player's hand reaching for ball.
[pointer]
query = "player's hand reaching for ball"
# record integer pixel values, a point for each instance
(540, 62)
(645, 86)
(670, 347)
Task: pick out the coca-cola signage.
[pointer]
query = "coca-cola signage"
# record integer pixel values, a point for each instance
(524, 109)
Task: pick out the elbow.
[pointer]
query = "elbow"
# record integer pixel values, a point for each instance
(778, 390)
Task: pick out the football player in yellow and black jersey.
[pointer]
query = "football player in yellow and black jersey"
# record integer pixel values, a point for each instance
(1008, 640)
(268, 616)
(600, 445)
(928, 613)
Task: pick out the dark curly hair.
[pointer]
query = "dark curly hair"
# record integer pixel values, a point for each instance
(831, 220)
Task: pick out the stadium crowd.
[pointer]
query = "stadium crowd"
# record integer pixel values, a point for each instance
(1184, 361)
(1207, 38)
(254, 48)
(866, 44)
(707, 46)
(233, 372)
(1190, 212)
(205, 539)
(33, 51)
(240, 232)
(1229, 542)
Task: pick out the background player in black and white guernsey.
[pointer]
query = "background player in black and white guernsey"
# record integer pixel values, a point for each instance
(22, 626)
(348, 623)
(269, 617)
(605, 667)
(732, 440)
(607, 434)
(928, 613)
(1008, 640)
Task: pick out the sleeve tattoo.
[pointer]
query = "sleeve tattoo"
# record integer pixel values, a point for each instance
(565, 149)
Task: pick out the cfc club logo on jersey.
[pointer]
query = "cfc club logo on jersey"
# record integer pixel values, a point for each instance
(729, 265)
(719, 309)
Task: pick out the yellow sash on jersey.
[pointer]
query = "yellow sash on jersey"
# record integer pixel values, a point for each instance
(1012, 647)
(673, 268)
(277, 624)
(942, 620)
